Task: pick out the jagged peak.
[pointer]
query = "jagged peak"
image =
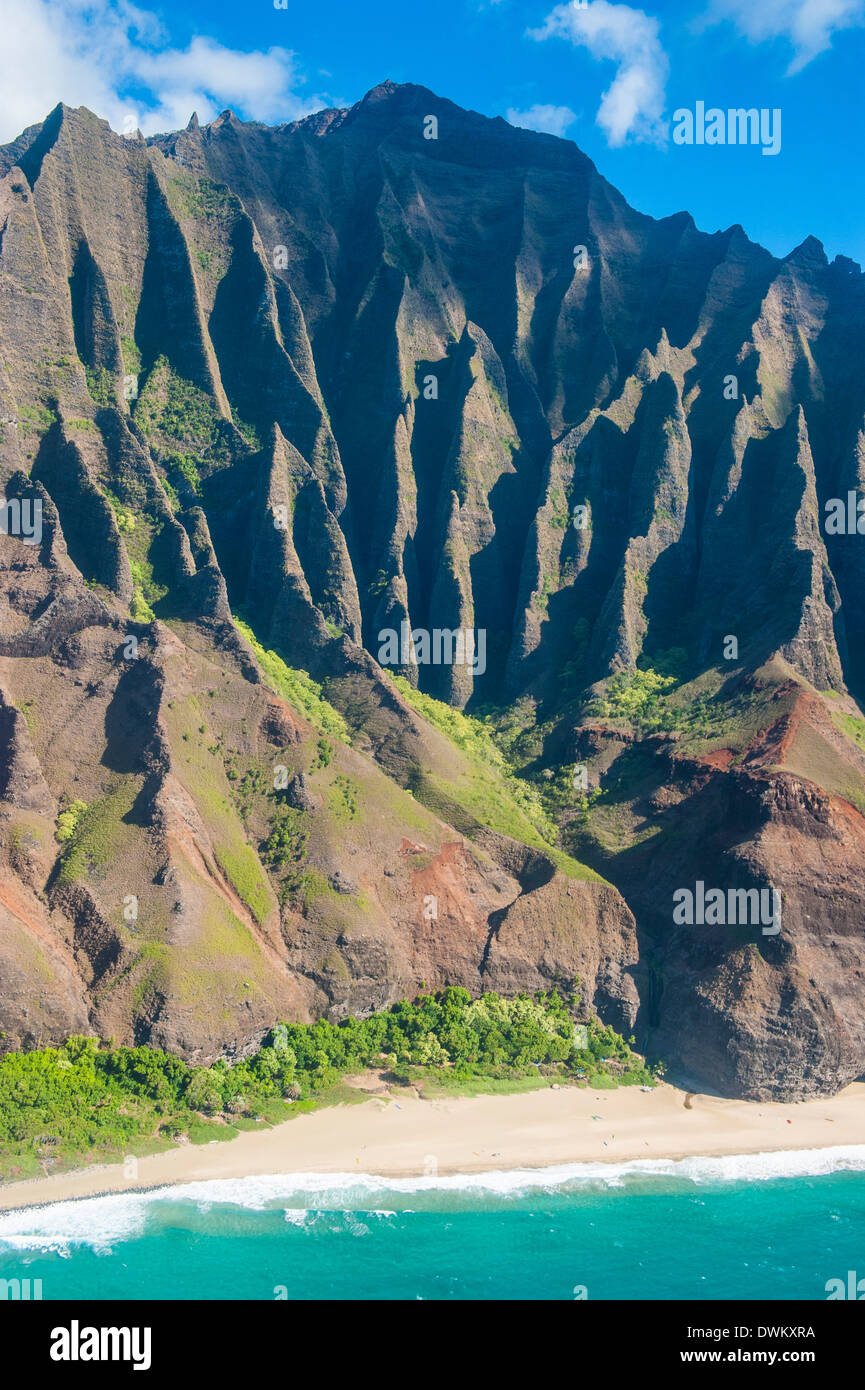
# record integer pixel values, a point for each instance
(808, 252)
(225, 118)
(62, 114)
(398, 96)
(683, 217)
(384, 89)
(651, 363)
(846, 266)
(751, 420)
(737, 235)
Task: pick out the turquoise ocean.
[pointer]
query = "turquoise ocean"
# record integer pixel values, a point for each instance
(774, 1226)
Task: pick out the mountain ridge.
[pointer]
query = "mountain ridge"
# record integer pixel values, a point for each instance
(217, 354)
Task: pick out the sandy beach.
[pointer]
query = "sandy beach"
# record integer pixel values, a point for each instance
(400, 1135)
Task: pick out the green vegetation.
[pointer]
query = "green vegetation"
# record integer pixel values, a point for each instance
(635, 696)
(474, 738)
(131, 356)
(36, 419)
(377, 584)
(342, 799)
(69, 821)
(173, 406)
(142, 532)
(210, 777)
(656, 699)
(489, 792)
(185, 468)
(145, 590)
(182, 424)
(100, 384)
(252, 784)
(297, 688)
(86, 1100)
(560, 514)
(201, 198)
(139, 609)
(302, 887)
(548, 588)
(241, 868)
(323, 755)
(286, 840)
(93, 835)
(30, 712)
(247, 431)
(143, 579)
(171, 493)
(850, 725)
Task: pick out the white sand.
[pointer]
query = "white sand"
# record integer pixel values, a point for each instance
(403, 1136)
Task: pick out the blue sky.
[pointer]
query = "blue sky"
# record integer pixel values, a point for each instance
(609, 78)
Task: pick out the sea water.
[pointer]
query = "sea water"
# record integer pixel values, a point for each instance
(777, 1226)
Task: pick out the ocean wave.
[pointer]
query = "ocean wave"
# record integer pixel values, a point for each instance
(101, 1222)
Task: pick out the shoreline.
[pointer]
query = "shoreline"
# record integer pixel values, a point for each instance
(403, 1137)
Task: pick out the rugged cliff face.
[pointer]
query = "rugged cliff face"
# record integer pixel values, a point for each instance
(337, 377)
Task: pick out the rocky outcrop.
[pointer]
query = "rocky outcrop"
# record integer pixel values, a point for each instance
(763, 1001)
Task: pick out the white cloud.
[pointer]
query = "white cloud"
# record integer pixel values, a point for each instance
(807, 24)
(554, 120)
(116, 59)
(633, 106)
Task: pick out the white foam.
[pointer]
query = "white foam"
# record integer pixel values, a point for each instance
(96, 1221)
(101, 1222)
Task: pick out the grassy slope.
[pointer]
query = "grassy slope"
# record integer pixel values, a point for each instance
(487, 793)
